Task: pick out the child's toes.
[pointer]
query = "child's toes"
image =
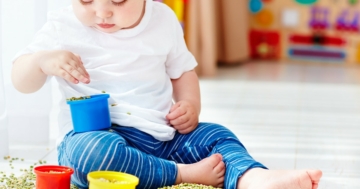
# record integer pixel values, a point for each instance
(220, 167)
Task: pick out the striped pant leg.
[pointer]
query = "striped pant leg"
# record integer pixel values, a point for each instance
(104, 150)
(209, 139)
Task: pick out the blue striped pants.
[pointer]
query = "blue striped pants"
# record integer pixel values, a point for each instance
(129, 150)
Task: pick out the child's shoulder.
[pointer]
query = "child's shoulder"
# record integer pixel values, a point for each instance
(164, 11)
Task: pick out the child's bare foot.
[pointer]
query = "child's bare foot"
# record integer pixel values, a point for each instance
(279, 179)
(209, 171)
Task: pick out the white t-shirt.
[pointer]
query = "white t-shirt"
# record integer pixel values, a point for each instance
(134, 66)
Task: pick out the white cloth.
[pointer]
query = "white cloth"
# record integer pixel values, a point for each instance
(135, 66)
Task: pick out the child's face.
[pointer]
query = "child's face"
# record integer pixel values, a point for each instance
(109, 15)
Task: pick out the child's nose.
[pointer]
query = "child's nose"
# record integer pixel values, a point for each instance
(104, 13)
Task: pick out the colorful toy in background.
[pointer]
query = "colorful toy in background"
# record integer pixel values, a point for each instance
(255, 6)
(343, 23)
(319, 18)
(317, 39)
(317, 53)
(317, 47)
(264, 44)
(320, 46)
(265, 18)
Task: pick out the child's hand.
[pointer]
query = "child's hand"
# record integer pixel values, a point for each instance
(64, 64)
(183, 117)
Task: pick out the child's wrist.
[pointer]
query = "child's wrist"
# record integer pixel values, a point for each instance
(38, 58)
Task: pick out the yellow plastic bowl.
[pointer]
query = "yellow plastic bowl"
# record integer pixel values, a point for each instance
(124, 181)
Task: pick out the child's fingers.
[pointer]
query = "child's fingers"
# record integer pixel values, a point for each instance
(83, 71)
(79, 63)
(83, 68)
(77, 56)
(179, 121)
(79, 67)
(74, 72)
(182, 127)
(64, 74)
(174, 107)
(176, 113)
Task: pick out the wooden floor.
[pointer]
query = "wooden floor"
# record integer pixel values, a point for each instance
(292, 116)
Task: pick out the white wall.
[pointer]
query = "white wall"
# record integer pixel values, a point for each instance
(28, 113)
(4, 143)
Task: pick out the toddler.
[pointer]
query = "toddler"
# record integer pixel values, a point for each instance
(135, 51)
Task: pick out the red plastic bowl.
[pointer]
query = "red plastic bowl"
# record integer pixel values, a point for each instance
(53, 177)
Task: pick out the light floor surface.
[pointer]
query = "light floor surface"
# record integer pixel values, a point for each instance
(289, 116)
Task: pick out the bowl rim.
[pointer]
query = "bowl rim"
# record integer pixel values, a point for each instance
(93, 176)
(92, 98)
(40, 170)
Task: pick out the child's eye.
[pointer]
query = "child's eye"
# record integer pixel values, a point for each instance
(118, 2)
(85, 2)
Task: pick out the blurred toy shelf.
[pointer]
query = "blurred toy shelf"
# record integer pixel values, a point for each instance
(234, 31)
(324, 31)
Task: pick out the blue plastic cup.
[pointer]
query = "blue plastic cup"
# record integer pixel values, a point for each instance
(90, 114)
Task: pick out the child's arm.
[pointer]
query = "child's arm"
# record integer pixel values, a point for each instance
(30, 71)
(184, 115)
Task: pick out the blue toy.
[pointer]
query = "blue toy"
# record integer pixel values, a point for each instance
(255, 6)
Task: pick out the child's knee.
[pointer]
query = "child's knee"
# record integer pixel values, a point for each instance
(214, 128)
